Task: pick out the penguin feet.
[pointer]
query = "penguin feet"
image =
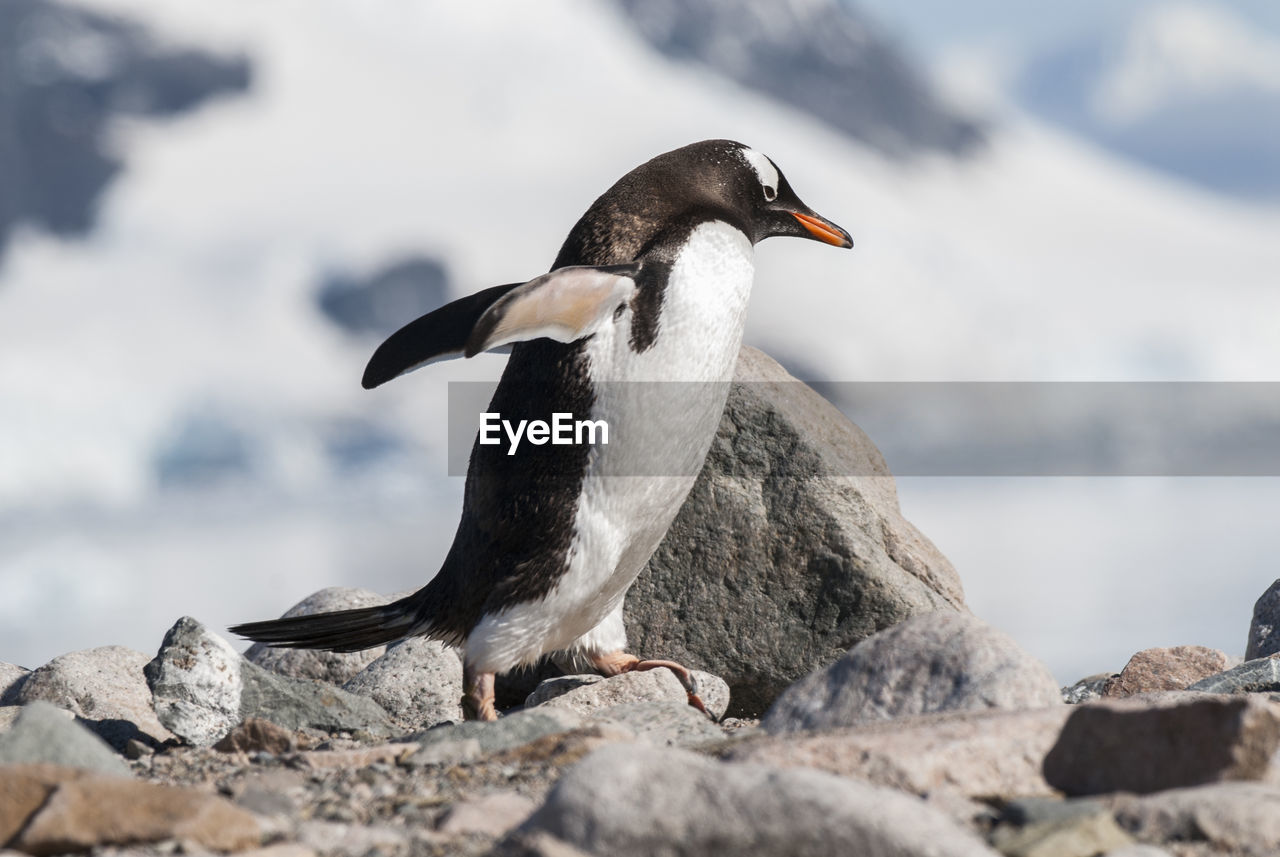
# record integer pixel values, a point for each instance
(617, 663)
(477, 695)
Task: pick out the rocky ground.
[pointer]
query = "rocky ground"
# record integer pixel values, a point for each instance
(889, 721)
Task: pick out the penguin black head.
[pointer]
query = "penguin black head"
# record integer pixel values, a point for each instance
(714, 179)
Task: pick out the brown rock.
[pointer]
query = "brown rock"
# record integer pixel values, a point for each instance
(975, 754)
(1241, 818)
(256, 735)
(1175, 668)
(24, 789)
(1150, 743)
(93, 811)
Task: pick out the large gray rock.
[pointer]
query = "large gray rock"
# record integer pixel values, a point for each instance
(333, 667)
(1264, 629)
(975, 754)
(202, 689)
(1164, 741)
(790, 548)
(417, 681)
(105, 687)
(46, 733)
(942, 661)
(640, 800)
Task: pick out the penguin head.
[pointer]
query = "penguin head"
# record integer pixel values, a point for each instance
(769, 207)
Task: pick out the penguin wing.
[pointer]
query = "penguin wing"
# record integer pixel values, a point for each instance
(565, 305)
(437, 336)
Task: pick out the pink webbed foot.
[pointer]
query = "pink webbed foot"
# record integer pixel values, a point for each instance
(616, 663)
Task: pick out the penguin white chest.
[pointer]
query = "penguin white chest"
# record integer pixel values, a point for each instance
(663, 404)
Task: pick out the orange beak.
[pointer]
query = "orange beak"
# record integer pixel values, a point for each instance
(824, 230)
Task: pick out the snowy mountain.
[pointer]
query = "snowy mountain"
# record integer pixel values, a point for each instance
(184, 428)
(1185, 87)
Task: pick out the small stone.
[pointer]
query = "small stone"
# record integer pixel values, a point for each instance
(362, 757)
(105, 687)
(135, 749)
(936, 662)
(1239, 818)
(44, 733)
(1151, 743)
(662, 722)
(1138, 851)
(331, 667)
(489, 815)
(584, 693)
(256, 735)
(91, 812)
(1261, 675)
(333, 837)
(195, 683)
(456, 752)
(509, 731)
(535, 843)
(417, 681)
(11, 676)
(1174, 668)
(975, 754)
(1086, 689)
(1264, 629)
(280, 849)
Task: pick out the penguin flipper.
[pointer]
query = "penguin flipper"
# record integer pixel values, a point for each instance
(565, 305)
(439, 335)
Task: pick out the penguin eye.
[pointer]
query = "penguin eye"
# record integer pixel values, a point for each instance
(770, 193)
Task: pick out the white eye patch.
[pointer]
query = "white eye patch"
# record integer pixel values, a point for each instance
(765, 171)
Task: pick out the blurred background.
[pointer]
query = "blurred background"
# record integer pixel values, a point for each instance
(211, 213)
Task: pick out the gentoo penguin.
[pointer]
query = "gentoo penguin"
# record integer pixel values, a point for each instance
(650, 286)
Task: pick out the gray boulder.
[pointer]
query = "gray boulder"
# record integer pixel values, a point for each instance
(790, 548)
(1237, 818)
(46, 733)
(333, 667)
(202, 689)
(11, 678)
(1261, 675)
(1264, 629)
(942, 661)
(641, 800)
(105, 687)
(417, 681)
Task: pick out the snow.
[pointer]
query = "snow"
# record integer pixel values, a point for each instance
(479, 134)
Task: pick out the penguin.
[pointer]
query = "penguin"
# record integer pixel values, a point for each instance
(649, 288)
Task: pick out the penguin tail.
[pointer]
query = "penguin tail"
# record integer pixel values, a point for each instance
(339, 631)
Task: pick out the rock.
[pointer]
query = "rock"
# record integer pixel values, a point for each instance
(1239, 818)
(662, 722)
(1138, 851)
(640, 800)
(94, 811)
(795, 501)
(512, 730)
(490, 815)
(1174, 668)
(1261, 675)
(23, 790)
(332, 837)
(1264, 636)
(361, 757)
(1088, 831)
(417, 681)
(10, 677)
(535, 844)
(333, 667)
(103, 686)
(44, 733)
(255, 735)
(202, 689)
(975, 754)
(1086, 689)
(585, 693)
(1150, 743)
(942, 661)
